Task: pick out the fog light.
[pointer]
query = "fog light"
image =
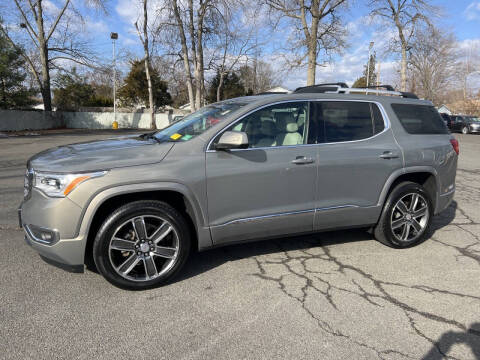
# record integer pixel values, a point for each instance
(42, 235)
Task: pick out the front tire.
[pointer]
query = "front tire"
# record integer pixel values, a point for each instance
(465, 130)
(141, 245)
(406, 217)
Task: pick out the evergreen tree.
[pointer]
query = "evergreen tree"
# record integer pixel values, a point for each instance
(135, 89)
(361, 82)
(232, 87)
(71, 91)
(13, 93)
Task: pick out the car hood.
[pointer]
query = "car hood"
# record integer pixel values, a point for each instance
(101, 155)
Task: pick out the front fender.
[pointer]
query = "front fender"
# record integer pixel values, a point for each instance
(203, 232)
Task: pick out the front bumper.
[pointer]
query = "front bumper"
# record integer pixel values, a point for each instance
(63, 251)
(57, 256)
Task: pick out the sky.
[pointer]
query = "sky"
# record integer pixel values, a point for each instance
(462, 17)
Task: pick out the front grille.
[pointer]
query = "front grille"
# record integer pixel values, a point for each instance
(27, 183)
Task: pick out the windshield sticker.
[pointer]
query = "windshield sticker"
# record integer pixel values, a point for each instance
(187, 137)
(175, 136)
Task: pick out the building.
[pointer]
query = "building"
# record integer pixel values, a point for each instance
(444, 110)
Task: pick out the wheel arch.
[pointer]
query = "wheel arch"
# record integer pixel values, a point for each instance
(176, 195)
(423, 175)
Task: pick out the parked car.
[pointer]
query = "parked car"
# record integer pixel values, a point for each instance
(447, 119)
(466, 124)
(249, 168)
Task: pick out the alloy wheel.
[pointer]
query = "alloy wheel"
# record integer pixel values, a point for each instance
(144, 248)
(410, 217)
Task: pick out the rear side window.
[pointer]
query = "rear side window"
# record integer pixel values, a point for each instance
(420, 119)
(339, 121)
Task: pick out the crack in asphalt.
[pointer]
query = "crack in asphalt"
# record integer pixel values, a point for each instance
(318, 282)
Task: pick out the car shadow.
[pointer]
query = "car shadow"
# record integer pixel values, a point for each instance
(444, 218)
(470, 337)
(201, 262)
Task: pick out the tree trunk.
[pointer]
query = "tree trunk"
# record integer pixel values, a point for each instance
(153, 125)
(220, 86)
(403, 69)
(311, 38)
(43, 47)
(312, 65)
(199, 75)
(191, 29)
(404, 44)
(186, 60)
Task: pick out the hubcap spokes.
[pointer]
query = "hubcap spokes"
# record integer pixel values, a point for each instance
(409, 217)
(144, 248)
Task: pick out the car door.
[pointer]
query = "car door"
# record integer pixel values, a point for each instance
(356, 155)
(267, 189)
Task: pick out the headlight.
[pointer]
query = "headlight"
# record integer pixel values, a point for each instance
(60, 185)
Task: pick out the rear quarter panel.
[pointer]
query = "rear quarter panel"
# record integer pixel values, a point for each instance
(433, 153)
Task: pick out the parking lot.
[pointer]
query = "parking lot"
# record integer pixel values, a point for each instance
(335, 295)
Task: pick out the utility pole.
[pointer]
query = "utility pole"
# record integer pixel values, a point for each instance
(114, 36)
(368, 64)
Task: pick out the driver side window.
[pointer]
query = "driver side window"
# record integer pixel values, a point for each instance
(276, 125)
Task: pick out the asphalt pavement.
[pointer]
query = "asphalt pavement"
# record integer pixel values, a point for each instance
(335, 295)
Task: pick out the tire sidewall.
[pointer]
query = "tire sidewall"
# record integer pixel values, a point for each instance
(123, 214)
(465, 130)
(397, 194)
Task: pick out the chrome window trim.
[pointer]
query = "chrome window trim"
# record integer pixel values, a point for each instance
(386, 122)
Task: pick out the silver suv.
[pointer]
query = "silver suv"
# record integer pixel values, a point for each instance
(244, 169)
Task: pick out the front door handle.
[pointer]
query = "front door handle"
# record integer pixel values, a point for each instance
(302, 160)
(389, 155)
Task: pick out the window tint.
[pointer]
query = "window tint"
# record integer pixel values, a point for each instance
(343, 121)
(337, 121)
(276, 125)
(420, 119)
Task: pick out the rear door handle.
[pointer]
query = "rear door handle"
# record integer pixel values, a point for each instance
(389, 155)
(302, 160)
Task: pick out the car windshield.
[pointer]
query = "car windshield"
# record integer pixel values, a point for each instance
(474, 119)
(198, 122)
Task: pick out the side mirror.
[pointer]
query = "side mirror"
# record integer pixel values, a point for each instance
(232, 140)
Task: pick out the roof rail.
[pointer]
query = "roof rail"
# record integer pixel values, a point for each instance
(320, 88)
(386, 87)
(271, 93)
(342, 88)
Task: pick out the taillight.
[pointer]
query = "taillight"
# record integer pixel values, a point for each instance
(455, 145)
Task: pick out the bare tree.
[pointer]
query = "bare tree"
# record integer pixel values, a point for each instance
(191, 23)
(405, 16)
(259, 76)
(469, 64)
(433, 61)
(144, 39)
(237, 42)
(318, 29)
(51, 35)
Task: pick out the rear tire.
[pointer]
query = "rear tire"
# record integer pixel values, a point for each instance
(406, 217)
(141, 245)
